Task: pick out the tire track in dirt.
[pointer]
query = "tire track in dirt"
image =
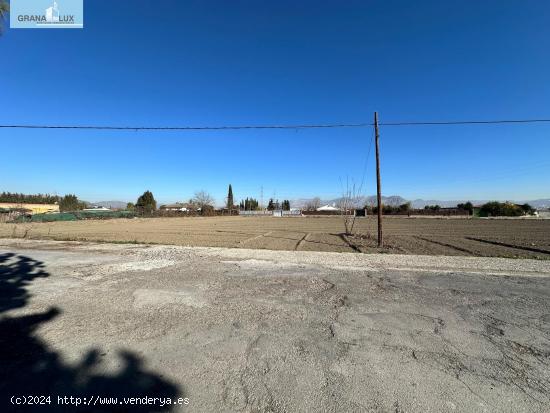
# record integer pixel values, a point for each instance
(444, 244)
(266, 234)
(301, 241)
(349, 243)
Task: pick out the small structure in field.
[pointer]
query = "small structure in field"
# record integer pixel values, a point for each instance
(328, 208)
(96, 208)
(178, 207)
(9, 214)
(33, 208)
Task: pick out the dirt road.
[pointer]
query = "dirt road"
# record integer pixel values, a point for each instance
(274, 331)
(518, 238)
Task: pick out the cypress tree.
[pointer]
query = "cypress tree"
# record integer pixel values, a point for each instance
(146, 203)
(230, 197)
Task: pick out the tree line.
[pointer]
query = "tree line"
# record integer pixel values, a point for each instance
(275, 205)
(29, 199)
(203, 201)
(69, 202)
(489, 209)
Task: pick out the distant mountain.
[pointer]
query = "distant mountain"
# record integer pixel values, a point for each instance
(539, 203)
(421, 203)
(395, 200)
(361, 201)
(109, 204)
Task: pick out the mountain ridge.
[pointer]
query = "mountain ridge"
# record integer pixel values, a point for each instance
(393, 200)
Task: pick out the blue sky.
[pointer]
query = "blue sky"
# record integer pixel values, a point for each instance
(280, 62)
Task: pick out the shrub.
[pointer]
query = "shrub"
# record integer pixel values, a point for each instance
(208, 211)
(500, 209)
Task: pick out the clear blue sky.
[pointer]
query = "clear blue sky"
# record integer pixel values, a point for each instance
(280, 62)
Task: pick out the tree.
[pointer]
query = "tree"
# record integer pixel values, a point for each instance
(527, 209)
(130, 206)
(501, 209)
(286, 205)
(467, 206)
(406, 207)
(433, 207)
(347, 205)
(4, 10)
(146, 203)
(270, 205)
(70, 203)
(313, 204)
(203, 199)
(230, 197)
(249, 204)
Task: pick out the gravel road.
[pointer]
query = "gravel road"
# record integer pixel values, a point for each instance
(273, 331)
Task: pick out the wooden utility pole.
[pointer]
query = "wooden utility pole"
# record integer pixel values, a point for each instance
(378, 186)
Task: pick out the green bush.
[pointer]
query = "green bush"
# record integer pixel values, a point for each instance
(500, 209)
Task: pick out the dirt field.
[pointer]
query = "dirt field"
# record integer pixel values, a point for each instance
(427, 236)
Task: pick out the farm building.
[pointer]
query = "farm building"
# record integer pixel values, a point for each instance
(328, 208)
(178, 206)
(97, 208)
(33, 208)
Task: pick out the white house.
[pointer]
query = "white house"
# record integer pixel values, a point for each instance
(178, 207)
(97, 208)
(328, 208)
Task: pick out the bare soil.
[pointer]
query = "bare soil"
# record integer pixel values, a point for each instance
(512, 238)
(250, 330)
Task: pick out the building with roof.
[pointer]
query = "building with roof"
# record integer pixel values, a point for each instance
(328, 208)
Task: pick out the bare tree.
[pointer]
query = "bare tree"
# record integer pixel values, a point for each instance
(203, 199)
(347, 205)
(313, 204)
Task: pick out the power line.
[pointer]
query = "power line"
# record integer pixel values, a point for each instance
(366, 164)
(464, 122)
(299, 126)
(183, 128)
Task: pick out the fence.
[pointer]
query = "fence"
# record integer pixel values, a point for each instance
(275, 213)
(292, 213)
(325, 213)
(444, 212)
(256, 213)
(74, 216)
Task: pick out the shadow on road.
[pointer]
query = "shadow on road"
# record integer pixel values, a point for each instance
(30, 367)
